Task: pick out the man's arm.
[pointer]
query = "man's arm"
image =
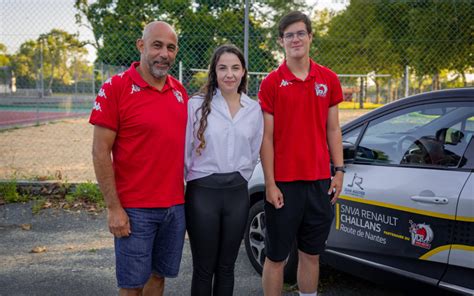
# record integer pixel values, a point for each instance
(103, 141)
(334, 139)
(273, 194)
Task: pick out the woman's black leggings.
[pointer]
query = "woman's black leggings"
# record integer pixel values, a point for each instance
(216, 214)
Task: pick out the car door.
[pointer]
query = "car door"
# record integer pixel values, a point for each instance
(400, 195)
(460, 273)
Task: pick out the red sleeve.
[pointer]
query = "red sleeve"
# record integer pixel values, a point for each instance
(105, 111)
(336, 91)
(266, 94)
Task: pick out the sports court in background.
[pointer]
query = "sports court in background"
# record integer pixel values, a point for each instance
(20, 111)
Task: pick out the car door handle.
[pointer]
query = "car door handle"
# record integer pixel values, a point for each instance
(430, 199)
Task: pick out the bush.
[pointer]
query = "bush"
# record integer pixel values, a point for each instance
(8, 192)
(39, 203)
(89, 192)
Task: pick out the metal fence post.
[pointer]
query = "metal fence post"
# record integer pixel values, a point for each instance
(246, 34)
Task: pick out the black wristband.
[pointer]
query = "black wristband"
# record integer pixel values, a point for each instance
(339, 169)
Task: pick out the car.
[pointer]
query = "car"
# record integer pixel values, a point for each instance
(407, 201)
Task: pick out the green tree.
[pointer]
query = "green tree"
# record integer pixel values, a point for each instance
(352, 42)
(201, 25)
(5, 73)
(60, 50)
(116, 25)
(386, 36)
(213, 23)
(4, 57)
(461, 38)
(56, 56)
(355, 42)
(455, 35)
(26, 64)
(430, 36)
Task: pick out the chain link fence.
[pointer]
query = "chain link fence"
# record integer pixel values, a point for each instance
(55, 54)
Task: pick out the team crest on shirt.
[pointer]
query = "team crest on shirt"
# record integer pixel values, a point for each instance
(102, 94)
(320, 89)
(135, 89)
(178, 95)
(285, 83)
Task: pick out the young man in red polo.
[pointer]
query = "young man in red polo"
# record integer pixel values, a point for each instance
(139, 119)
(302, 132)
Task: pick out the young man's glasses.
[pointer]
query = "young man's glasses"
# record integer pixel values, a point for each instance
(291, 35)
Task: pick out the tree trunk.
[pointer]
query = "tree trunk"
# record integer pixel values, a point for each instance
(395, 91)
(420, 84)
(377, 91)
(435, 83)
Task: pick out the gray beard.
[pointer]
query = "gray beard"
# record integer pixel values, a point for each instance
(156, 72)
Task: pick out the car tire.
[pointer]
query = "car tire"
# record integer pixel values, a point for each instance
(255, 244)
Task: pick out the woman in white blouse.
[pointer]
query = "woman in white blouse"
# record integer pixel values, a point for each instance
(223, 138)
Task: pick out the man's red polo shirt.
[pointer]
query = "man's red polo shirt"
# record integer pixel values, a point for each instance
(148, 153)
(300, 112)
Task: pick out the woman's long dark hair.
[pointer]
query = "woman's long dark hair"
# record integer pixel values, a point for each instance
(209, 89)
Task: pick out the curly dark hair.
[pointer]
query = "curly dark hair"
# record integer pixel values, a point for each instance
(209, 89)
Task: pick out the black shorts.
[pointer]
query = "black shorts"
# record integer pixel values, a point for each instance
(307, 215)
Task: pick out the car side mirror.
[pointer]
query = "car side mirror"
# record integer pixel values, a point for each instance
(348, 150)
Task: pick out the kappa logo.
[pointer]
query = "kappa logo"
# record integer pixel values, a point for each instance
(120, 74)
(135, 89)
(320, 89)
(102, 94)
(178, 95)
(285, 83)
(108, 81)
(421, 235)
(97, 107)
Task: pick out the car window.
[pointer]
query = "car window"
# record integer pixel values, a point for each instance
(469, 129)
(352, 136)
(428, 135)
(468, 156)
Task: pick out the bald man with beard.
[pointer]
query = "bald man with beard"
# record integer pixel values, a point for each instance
(139, 119)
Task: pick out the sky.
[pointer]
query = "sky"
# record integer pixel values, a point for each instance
(21, 20)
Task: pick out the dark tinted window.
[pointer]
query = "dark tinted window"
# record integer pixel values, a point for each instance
(469, 156)
(427, 135)
(352, 136)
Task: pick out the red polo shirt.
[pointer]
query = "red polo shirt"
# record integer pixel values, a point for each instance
(148, 153)
(300, 111)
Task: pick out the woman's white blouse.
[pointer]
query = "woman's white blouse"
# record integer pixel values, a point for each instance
(232, 144)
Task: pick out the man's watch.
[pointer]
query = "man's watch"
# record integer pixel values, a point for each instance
(339, 169)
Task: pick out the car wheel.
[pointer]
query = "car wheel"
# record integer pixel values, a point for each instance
(255, 244)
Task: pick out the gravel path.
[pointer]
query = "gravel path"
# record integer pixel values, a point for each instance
(77, 259)
(60, 149)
